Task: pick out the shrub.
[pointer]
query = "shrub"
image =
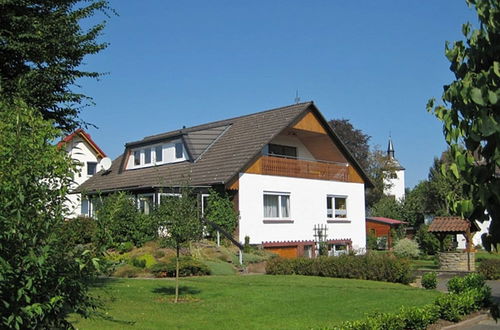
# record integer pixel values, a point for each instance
(429, 280)
(371, 241)
(428, 242)
(79, 230)
(187, 267)
(468, 282)
(139, 263)
(490, 269)
(406, 248)
(125, 247)
(127, 271)
(369, 267)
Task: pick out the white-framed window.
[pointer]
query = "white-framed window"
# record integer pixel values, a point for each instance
(159, 154)
(204, 203)
(147, 156)
(137, 157)
(179, 150)
(164, 196)
(336, 207)
(145, 203)
(276, 205)
(91, 168)
(85, 207)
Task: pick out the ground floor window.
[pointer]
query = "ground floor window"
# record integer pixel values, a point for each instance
(85, 207)
(276, 205)
(145, 203)
(336, 207)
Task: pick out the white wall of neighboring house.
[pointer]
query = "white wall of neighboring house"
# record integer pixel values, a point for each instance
(476, 239)
(396, 186)
(82, 152)
(308, 207)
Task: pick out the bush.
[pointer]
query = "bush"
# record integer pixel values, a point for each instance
(427, 242)
(187, 267)
(139, 263)
(468, 282)
(490, 269)
(368, 267)
(406, 248)
(429, 280)
(79, 230)
(125, 247)
(127, 271)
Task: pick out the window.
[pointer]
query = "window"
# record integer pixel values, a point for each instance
(336, 207)
(280, 150)
(137, 157)
(145, 203)
(85, 207)
(91, 168)
(276, 205)
(147, 156)
(204, 203)
(165, 196)
(159, 154)
(178, 150)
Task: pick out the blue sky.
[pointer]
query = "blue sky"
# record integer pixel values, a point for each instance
(180, 63)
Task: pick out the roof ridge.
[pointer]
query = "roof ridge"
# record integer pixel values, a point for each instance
(219, 123)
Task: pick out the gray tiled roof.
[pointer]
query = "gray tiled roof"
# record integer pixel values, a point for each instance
(220, 151)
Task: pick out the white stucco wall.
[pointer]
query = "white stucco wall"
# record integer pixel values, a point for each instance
(80, 151)
(397, 185)
(307, 208)
(476, 239)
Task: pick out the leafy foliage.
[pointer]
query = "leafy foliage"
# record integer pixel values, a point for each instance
(354, 139)
(187, 267)
(42, 278)
(490, 269)
(42, 47)
(221, 211)
(119, 221)
(429, 280)
(368, 267)
(428, 242)
(80, 230)
(471, 121)
(406, 248)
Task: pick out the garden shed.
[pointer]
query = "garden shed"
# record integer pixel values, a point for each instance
(381, 228)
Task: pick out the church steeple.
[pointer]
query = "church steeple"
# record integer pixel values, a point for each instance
(390, 149)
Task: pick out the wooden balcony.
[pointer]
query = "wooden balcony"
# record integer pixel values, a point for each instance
(300, 168)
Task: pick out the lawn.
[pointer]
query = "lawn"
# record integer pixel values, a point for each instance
(250, 302)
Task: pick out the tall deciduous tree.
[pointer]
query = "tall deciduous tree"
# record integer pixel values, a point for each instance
(354, 139)
(42, 279)
(42, 46)
(178, 219)
(471, 115)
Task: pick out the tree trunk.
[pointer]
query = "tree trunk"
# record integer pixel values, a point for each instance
(177, 275)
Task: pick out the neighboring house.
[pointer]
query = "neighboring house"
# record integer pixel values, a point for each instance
(395, 179)
(381, 228)
(284, 169)
(82, 149)
(476, 238)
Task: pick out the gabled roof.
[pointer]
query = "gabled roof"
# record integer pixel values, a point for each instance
(387, 221)
(220, 150)
(452, 225)
(86, 137)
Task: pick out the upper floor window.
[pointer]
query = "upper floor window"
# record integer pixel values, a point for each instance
(281, 150)
(159, 154)
(137, 157)
(336, 207)
(91, 168)
(147, 156)
(277, 205)
(179, 152)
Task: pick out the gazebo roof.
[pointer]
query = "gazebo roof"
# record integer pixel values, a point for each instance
(452, 225)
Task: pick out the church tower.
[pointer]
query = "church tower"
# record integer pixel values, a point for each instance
(395, 175)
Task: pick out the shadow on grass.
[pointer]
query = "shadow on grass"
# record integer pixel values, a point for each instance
(170, 290)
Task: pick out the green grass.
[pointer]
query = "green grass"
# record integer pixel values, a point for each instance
(249, 302)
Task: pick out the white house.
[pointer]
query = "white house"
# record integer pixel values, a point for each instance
(395, 179)
(285, 170)
(83, 150)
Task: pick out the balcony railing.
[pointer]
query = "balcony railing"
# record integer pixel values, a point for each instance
(301, 168)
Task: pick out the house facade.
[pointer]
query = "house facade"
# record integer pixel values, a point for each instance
(87, 154)
(284, 169)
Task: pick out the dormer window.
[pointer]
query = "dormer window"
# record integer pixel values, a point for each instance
(179, 152)
(91, 168)
(156, 154)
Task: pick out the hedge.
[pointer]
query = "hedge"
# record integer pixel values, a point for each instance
(490, 269)
(187, 267)
(469, 295)
(366, 267)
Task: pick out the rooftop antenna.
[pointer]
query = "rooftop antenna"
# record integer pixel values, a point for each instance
(297, 98)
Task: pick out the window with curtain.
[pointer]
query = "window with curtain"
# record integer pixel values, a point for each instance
(336, 207)
(276, 205)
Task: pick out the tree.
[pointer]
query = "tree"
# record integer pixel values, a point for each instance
(42, 279)
(42, 47)
(354, 139)
(178, 218)
(471, 115)
(220, 211)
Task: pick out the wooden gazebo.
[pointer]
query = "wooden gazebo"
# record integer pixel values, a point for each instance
(442, 226)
